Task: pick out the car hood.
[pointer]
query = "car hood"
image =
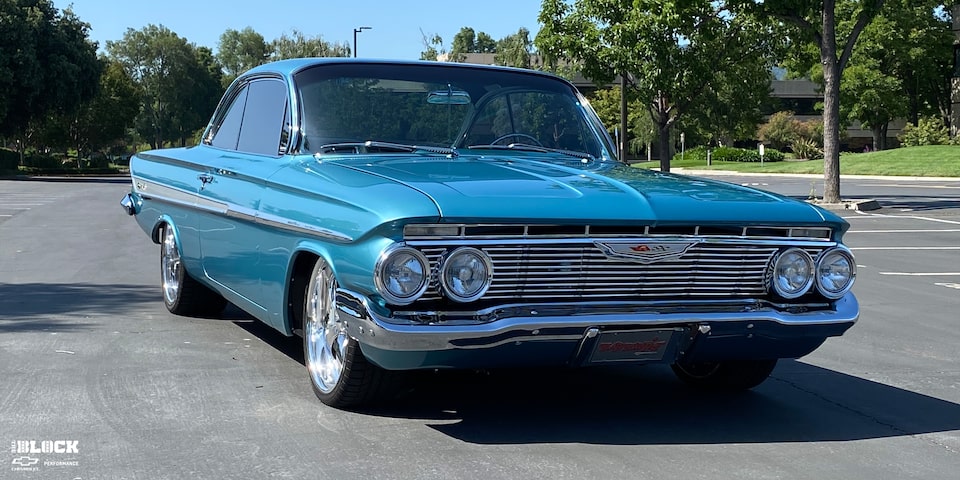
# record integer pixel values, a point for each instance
(521, 189)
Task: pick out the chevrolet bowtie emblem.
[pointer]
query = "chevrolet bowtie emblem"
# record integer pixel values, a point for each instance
(645, 252)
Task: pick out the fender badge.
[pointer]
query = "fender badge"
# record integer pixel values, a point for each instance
(645, 252)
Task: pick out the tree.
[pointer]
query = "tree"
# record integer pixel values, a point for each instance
(514, 50)
(299, 45)
(731, 108)
(239, 51)
(642, 131)
(432, 47)
(669, 52)
(872, 97)
(48, 65)
(103, 121)
(911, 41)
(179, 82)
(815, 21)
(468, 41)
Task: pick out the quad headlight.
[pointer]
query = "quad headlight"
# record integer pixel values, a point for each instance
(836, 271)
(466, 274)
(793, 273)
(402, 275)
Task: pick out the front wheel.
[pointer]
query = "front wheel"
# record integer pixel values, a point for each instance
(339, 373)
(183, 295)
(729, 375)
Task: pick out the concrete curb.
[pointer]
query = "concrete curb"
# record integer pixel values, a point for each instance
(865, 205)
(684, 171)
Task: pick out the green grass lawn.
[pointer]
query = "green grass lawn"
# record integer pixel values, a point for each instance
(928, 161)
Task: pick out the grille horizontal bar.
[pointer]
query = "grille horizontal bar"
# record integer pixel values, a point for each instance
(581, 271)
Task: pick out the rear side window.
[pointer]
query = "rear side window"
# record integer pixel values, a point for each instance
(264, 118)
(227, 132)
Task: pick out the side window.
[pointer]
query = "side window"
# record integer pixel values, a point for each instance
(264, 118)
(227, 132)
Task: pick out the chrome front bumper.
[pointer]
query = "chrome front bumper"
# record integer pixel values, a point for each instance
(563, 334)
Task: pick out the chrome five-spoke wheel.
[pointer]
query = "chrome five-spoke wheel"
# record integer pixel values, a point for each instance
(339, 373)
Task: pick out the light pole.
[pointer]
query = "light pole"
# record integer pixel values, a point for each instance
(355, 32)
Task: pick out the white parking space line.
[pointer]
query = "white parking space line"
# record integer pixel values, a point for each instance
(948, 285)
(862, 215)
(912, 186)
(922, 274)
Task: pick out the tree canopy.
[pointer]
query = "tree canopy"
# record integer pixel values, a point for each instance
(672, 53)
(239, 51)
(180, 82)
(48, 65)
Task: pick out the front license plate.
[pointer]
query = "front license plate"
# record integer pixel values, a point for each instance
(632, 346)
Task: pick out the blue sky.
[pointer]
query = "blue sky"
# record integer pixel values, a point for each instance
(396, 24)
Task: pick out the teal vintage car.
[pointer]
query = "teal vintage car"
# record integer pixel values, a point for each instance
(420, 215)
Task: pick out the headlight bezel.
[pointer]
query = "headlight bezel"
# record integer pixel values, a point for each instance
(381, 276)
(444, 279)
(822, 258)
(775, 284)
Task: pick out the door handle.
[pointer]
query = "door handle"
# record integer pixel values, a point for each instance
(205, 178)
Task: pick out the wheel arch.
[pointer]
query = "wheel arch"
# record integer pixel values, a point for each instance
(302, 262)
(158, 229)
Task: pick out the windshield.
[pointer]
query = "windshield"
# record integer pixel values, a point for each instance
(358, 108)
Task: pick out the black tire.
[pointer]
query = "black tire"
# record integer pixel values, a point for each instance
(182, 294)
(731, 375)
(340, 375)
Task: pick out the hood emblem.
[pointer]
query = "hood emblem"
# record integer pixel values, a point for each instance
(645, 251)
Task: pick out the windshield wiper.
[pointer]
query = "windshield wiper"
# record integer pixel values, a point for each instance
(526, 147)
(373, 146)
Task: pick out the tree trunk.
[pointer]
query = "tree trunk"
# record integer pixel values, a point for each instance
(831, 105)
(623, 117)
(663, 144)
(876, 132)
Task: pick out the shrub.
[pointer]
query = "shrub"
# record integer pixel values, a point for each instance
(928, 131)
(9, 161)
(806, 149)
(730, 154)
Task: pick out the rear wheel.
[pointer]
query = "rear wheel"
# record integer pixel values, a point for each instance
(339, 373)
(183, 295)
(729, 375)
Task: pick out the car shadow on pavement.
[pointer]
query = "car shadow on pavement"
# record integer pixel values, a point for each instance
(917, 204)
(29, 306)
(640, 405)
(647, 405)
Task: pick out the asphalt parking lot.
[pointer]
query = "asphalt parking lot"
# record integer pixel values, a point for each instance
(89, 355)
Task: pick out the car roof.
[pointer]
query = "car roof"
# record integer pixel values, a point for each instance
(291, 66)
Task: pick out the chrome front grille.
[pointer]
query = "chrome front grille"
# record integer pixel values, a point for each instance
(579, 270)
